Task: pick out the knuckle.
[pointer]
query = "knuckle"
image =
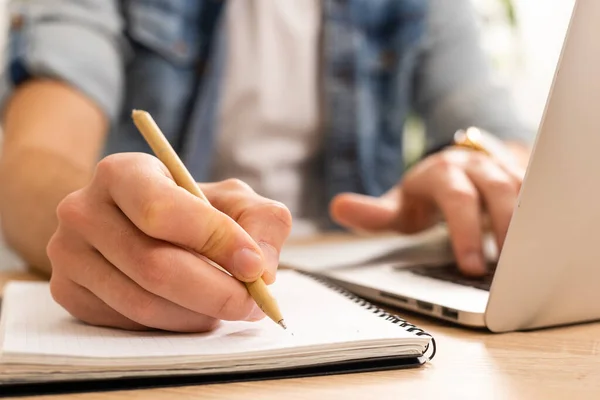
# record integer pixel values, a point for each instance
(58, 252)
(55, 251)
(72, 210)
(63, 293)
(281, 213)
(462, 195)
(131, 167)
(500, 185)
(65, 255)
(235, 184)
(110, 166)
(274, 211)
(443, 162)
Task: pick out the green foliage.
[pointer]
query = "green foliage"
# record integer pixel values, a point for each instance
(510, 11)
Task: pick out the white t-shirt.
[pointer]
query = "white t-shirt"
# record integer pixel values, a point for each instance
(269, 119)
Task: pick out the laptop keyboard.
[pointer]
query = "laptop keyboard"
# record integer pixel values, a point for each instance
(450, 273)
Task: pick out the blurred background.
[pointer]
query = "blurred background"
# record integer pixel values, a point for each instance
(522, 37)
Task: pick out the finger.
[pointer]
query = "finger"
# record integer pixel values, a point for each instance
(500, 192)
(268, 222)
(515, 169)
(365, 213)
(468, 158)
(159, 267)
(146, 194)
(83, 305)
(133, 302)
(459, 202)
(86, 267)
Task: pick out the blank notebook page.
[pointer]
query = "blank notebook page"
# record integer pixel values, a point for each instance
(318, 318)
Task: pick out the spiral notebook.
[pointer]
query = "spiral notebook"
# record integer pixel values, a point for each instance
(329, 331)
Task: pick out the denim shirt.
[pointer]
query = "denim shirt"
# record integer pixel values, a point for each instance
(381, 61)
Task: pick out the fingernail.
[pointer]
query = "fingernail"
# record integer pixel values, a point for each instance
(271, 257)
(247, 264)
(473, 263)
(256, 315)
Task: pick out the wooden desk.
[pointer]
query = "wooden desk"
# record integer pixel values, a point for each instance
(561, 363)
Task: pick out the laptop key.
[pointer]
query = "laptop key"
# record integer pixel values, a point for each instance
(450, 273)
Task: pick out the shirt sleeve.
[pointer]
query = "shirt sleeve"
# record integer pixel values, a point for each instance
(78, 42)
(455, 86)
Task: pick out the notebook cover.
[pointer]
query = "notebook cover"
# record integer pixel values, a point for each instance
(107, 385)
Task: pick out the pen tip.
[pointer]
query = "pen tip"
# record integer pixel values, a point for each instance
(282, 324)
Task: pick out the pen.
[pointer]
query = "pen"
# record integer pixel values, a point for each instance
(167, 155)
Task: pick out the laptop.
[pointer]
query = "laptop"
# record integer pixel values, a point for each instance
(548, 270)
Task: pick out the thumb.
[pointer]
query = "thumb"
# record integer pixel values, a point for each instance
(366, 213)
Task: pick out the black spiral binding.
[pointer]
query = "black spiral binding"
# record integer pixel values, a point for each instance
(377, 310)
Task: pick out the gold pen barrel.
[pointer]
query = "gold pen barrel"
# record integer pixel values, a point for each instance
(265, 300)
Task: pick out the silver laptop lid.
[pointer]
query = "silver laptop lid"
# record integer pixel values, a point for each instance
(549, 267)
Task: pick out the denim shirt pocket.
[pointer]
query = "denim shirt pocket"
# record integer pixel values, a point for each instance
(169, 28)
